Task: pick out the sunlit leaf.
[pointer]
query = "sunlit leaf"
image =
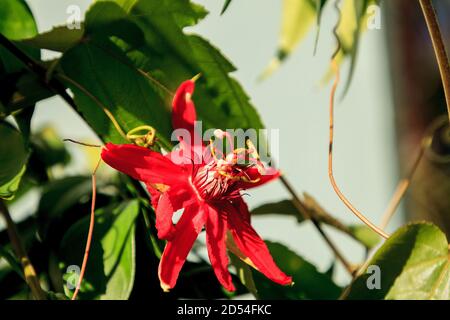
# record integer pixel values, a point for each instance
(297, 19)
(110, 270)
(13, 158)
(244, 273)
(16, 23)
(414, 263)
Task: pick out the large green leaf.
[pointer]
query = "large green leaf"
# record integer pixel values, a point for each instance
(111, 266)
(13, 157)
(221, 101)
(118, 87)
(308, 282)
(414, 263)
(156, 44)
(20, 88)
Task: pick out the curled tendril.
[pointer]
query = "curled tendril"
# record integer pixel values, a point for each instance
(335, 30)
(144, 136)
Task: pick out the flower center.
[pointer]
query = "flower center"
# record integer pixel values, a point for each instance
(219, 179)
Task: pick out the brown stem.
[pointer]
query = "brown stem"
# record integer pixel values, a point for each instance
(438, 46)
(304, 211)
(90, 231)
(336, 188)
(37, 69)
(402, 187)
(21, 254)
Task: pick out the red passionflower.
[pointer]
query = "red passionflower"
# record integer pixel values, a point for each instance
(208, 190)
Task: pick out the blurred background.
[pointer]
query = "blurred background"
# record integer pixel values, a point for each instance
(378, 124)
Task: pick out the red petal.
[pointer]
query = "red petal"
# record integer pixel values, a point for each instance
(183, 111)
(177, 249)
(142, 164)
(164, 213)
(215, 241)
(166, 204)
(253, 246)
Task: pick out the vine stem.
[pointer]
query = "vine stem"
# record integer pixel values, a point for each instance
(303, 210)
(90, 231)
(438, 46)
(19, 249)
(37, 69)
(330, 161)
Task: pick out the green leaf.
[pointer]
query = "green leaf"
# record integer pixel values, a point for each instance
(23, 120)
(16, 22)
(58, 196)
(108, 69)
(281, 207)
(110, 270)
(297, 19)
(121, 89)
(361, 233)
(12, 261)
(13, 157)
(20, 89)
(414, 263)
(353, 23)
(9, 189)
(49, 148)
(320, 4)
(244, 273)
(60, 39)
(308, 282)
(221, 101)
(365, 235)
(225, 6)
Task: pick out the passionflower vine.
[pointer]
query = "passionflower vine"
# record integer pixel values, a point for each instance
(208, 190)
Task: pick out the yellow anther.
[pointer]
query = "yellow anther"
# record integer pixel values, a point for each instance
(195, 78)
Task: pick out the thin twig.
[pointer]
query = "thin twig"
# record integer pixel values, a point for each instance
(83, 143)
(304, 212)
(330, 162)
(90, 231)
(28, 270)
(438, 46)
(402, 187)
